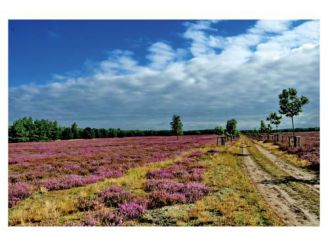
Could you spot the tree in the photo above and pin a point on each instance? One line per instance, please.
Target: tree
(176, 126)
(268, 129)
(290, 104)
(274, 119)
(67, 133)
(75, 130)
(88, 133)
(262, 127)
(231, 128)
(19, 131)
(218, 131)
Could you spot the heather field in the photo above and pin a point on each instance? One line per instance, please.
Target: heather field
(65, 164)
(155, 181)
(133, 181)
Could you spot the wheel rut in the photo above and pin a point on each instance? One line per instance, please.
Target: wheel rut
(287, 207)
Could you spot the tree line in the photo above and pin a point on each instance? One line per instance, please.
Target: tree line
(27, 129)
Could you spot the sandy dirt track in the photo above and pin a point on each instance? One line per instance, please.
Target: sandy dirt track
(291, 210)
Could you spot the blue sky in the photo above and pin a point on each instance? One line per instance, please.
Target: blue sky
(136, 74)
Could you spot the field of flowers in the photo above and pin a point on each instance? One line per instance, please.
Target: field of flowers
(179, 183)
(140, 181)
(58, 165)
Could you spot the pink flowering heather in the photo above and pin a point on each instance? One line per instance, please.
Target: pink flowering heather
(86, 204)
(109, 218)
(18, 191)
(194, 191)
(114, 196)
(103, 218)
(90, 220)
(64, 164)
(162, 198)
(160, 174)
(104, 172)
(131, 210)
(164, 184)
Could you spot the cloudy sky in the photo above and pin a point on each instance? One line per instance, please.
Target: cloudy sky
(136, 74)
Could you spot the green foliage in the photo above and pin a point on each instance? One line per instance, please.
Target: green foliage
(176, 125)
(265, 128)
(291, 104)
(274, 119)
(88, 133)
(231, 127)
(219, 130)
(67, 133)
(268, 129)
(25, 129)
(75, 130)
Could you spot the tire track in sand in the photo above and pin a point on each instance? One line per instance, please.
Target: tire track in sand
(281, 202)
(309, 179)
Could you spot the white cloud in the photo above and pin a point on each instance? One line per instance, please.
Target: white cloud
(160, 55)
(272, 26)
(242, 81)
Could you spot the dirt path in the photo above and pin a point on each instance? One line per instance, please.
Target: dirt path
(289, 209)
(309, 179)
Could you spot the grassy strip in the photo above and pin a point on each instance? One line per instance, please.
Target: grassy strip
(289, 158)
(234, 200)
(299, 190)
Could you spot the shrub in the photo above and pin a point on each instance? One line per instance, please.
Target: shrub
(160, 174)
(163, 184)
(109, 218)
(162, 198)
(90, 221)
(86, 204)
(114, 196)
(194, 191)
(18, 191)
(131, 210)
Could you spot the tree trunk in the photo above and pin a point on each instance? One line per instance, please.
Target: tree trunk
(293, 126)
(217, 141)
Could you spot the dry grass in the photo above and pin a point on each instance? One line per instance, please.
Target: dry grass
(289, 158)
(298, 190)
(233, 199)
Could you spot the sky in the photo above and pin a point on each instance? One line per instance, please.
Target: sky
(135, 74)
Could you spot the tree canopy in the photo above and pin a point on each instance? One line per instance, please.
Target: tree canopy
(291, 104)
(176, 125)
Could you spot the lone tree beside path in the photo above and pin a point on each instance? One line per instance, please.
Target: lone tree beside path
(290, 104)
(231, 128)
(219, 131)
(176, 126)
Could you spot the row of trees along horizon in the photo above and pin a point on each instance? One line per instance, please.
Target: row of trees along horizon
(28, 130)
